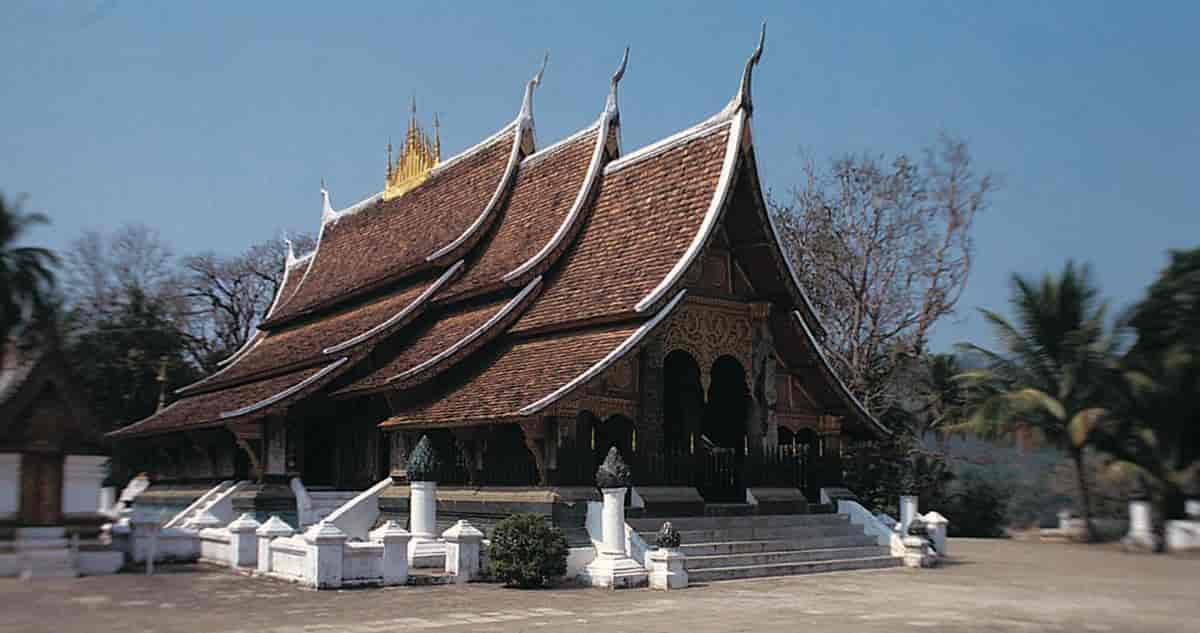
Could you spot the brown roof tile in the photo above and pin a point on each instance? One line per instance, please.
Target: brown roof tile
(206, 409)
(304, 342)
(386, 239)
(516, 375)
(428, 338)
(643, 220)
(546, 186)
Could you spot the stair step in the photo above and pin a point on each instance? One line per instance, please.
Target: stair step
(789, 569)
(716, 548)
(722, 522)
(785, 556)
(764, 533)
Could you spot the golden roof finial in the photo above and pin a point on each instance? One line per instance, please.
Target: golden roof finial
(417, 158)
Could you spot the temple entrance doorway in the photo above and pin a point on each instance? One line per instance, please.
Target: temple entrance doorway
(724, 430)
(683, 402)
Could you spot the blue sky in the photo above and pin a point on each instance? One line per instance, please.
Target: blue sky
(214, 122)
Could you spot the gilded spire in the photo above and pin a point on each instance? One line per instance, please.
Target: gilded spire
(417, 158)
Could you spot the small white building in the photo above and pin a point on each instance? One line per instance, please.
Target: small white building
(51, 467)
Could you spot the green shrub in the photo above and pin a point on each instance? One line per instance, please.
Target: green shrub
(976, 507)
(527, 552)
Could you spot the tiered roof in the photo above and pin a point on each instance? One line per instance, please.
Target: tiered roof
(540, 268)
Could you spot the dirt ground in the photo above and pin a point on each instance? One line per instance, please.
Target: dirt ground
(987, 586)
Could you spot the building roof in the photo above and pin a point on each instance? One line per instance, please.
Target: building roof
(513, 276)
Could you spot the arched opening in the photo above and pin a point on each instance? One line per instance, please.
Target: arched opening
(728, 404)
(683, 401)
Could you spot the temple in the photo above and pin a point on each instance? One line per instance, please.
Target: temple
(528, 307)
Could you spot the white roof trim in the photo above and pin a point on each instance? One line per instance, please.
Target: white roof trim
(513, 160)
(286, 392)
(355, 208)
(787, 260)
(709, 224)
(474, 149)
(816, 345)
(658, 147)
(589, 180)
(605, 362)
(228, 363)
(473, 335)
(402, 314)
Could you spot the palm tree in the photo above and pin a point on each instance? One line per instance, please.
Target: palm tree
(25, 271)
(942, 397)
(1052, 370)
(1155, 426)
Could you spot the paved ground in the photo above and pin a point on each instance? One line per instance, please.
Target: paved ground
(992, 586)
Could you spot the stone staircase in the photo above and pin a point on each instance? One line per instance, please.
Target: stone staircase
(728, 546)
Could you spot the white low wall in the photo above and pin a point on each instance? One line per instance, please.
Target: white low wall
(215, 546)
(289, 557)
(362, 564)
(82, 476)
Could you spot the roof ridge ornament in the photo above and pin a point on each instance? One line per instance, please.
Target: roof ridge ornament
(611, 107)
(290, 260)
(327, 212)
(742, 100)
(526, 114)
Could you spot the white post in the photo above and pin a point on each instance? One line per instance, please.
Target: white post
(462, 551)
(613, 521)
(243, 543)
(1141, 534)
(424, 549)
(937, 524)
(1191, 508)
(273, 528)
(612, 567)
(395, 552)
(908, 512)
(325, 555)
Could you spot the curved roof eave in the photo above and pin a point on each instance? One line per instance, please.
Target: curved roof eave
(604, 363)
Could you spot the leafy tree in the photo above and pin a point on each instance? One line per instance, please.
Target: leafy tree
(1052, 371)
(26, 272)
(1155, 426)
(884, 248)
(119, 355)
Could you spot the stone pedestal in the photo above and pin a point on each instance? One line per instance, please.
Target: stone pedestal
(272, 529)
(668, 569)
(917, 552)
(326, 551)
(395, 552)
(937, 525)
(462, 551)
(1141, 536)
(243, 542)
(612, 568)
(424, 550)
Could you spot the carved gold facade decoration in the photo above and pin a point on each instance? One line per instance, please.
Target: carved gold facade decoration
(708, 329)
(417, 158)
